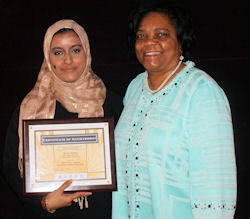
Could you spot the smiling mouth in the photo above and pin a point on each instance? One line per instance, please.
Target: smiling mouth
(69, 69)
(151, 53)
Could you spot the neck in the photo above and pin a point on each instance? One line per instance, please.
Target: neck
(157, 80)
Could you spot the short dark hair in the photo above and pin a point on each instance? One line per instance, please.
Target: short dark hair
(177, 15)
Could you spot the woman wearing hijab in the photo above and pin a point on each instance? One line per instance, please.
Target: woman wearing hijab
(174, 139)
(66, 88)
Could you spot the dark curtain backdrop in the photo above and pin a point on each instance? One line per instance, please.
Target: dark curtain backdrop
(221, 50)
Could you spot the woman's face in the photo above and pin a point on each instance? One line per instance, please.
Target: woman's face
(67, 56)
(157, 47)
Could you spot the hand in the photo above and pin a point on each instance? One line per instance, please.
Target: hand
(58, 199)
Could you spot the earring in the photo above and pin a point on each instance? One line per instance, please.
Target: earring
(181, 56)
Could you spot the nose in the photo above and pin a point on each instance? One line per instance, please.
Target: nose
(67, 58)
(150, 40)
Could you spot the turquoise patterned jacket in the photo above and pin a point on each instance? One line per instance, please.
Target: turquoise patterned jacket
(175, 151)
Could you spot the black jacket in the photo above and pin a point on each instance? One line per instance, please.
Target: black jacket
(99, 203)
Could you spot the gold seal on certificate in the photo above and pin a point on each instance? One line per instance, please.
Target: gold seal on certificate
(56, 150)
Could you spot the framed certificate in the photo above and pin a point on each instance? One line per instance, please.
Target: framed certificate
(55, 150)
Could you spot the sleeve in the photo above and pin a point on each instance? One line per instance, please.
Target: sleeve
(10, 163)
(212, 155)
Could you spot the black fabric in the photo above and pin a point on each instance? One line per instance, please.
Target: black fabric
(99, 203)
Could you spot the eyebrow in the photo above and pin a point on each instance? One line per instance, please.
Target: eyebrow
(158, 28)
(76, 45)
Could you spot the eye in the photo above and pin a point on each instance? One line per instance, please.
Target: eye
(140, 36)
(162, 35)
(57, 52)
(76, 50)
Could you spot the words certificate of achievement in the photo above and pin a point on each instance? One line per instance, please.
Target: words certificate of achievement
(56, 150)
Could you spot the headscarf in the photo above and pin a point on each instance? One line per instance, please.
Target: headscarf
(84, 96)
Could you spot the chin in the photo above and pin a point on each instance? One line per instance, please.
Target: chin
(67, 80)
(151, 69)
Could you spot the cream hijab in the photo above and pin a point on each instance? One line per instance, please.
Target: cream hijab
(84, 96)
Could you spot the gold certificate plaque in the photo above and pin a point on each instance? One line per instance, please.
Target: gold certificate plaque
(56, 150)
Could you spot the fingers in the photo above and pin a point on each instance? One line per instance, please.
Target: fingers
(79, 194)
(59, 198)
(71, 196)
(65, 185)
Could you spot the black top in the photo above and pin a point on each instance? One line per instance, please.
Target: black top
(99, 203)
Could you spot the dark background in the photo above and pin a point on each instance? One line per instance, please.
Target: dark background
(222, 50)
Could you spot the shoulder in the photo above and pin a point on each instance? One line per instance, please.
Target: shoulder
(112, 105)
(199, 81)
(112, 98)
(134, 86)
(203, 92)
(111, 94)
(136, 81)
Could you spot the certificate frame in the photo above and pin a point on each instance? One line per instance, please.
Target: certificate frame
(55, 150)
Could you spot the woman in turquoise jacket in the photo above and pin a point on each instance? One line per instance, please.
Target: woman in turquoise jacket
(174, 139)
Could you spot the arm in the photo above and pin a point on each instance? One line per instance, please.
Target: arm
(10, 167)
(212, 157)
(54, 200)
